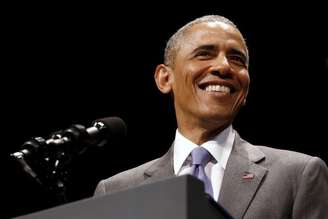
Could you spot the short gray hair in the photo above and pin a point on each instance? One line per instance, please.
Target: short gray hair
(173, 45)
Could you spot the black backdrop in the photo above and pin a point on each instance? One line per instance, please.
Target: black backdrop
(65, 65)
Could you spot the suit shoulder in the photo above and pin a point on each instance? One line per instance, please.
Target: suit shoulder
(124, 180)
(133, 173)
(289, 158)
(282, 153)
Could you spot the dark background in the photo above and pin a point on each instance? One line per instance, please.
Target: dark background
(74, 64)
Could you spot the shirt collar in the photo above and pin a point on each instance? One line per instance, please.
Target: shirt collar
(219, 147)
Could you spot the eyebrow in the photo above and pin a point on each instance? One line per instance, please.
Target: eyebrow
(207, 47)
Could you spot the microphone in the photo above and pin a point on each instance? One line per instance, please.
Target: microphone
(103, 131)
(48, 161)
(50, 157)
(76, 138)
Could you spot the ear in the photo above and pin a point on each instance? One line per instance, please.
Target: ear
(244, 102)
(164, 78)
(245, 98)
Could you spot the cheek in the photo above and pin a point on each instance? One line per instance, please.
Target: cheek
(244, 79)
(181, 87)
(199, 67)
(184, 77)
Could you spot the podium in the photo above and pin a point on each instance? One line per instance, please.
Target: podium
(180, 197)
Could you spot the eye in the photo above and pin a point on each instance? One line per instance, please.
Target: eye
(204, 54)
(238, 60)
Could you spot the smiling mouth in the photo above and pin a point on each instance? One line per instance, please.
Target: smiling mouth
(215, 88)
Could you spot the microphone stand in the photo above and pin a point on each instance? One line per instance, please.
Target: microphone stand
(48, 161)
(47, 169)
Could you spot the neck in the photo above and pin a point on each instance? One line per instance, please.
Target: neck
(200, 134)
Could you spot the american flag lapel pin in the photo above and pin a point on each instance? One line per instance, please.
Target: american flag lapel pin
(248, 176)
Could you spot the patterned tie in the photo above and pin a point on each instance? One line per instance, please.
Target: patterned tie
(200, 157)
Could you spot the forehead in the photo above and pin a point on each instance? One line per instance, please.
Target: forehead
(217, 33)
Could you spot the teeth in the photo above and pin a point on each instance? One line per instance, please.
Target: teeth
(217, 88)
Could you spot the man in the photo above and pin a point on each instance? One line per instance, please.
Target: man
(206, 72)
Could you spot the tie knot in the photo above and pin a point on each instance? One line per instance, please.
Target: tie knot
(200, 156)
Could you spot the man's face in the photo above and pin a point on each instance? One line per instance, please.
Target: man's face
(211, 77)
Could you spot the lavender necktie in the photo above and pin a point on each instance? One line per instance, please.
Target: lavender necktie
(200, 157)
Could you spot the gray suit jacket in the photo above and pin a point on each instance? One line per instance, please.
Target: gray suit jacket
(259, 182)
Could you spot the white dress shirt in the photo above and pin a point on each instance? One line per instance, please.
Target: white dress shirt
(219, 147)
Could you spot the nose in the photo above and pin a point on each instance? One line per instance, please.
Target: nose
(221, 67)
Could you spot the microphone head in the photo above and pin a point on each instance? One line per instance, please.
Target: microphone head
(112, 128)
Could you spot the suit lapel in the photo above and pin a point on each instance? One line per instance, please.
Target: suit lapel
(242, 177)
(241, 180)
(161, 168)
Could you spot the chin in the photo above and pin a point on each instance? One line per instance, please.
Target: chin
(217, 117)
